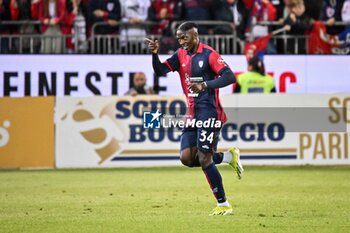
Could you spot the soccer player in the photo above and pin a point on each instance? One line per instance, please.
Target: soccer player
(195, 60)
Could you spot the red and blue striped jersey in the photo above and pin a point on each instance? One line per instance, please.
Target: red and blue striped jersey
(205, 63)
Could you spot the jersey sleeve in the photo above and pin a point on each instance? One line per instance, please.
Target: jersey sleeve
(173, 62)
(216, 62)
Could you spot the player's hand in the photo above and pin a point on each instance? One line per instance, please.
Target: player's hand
(153, 45)
(197, 87)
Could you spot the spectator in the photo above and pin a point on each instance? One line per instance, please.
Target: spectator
(198, 10)
(26, 10)
(108, 11)
(134, 12)
(331, 12)
(52, 14)
(139, 86)
(104, 11)
(283, 10)
(255, 80)
(282, 14)
(279, 6)
(164, 12)
(297, 23)
(249, 4)
(345, 13)
(4, 29)
(262, 10)
(234, 12)
(75, 19)
(313, 8)
(297, 19)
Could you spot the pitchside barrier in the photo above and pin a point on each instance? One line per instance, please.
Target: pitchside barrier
(106, 75)
(275, 129)
(107, 131)
(27, 132)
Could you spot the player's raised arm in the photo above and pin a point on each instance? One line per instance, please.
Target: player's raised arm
(159, 68)
(153, 45)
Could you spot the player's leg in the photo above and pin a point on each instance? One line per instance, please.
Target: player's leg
(231, 157)
(206, 143)
(188, 153)
(188, 157)
(188, 148)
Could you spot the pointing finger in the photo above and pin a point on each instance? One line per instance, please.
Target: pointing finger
(148, 40)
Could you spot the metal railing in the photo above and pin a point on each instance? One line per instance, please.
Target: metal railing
(25, 37)
(116, 43)
(290, 44)
(24, 42)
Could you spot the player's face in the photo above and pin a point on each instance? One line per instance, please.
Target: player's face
(188, 40)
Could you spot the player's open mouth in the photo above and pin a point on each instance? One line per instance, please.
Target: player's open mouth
(187, 47)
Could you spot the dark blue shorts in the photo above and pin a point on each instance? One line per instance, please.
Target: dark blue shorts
(205, 139)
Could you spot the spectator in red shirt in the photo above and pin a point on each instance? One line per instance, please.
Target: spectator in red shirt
(262, 10)
(52, 15)
(76, 11)
(26, 10)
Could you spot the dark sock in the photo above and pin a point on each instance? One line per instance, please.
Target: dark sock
(217, 158)
(215, 182)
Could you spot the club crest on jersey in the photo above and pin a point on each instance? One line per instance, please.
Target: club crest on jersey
(110, 6)
(221, 61)
(200, 63)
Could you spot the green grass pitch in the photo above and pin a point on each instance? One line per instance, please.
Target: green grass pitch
(176, 199)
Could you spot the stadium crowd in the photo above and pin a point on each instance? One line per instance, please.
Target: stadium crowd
(133, 19)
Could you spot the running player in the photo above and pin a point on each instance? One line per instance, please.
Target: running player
(197, 61)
